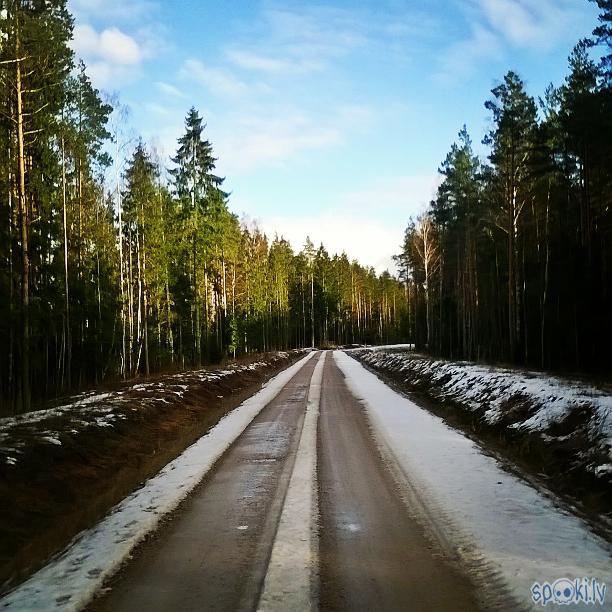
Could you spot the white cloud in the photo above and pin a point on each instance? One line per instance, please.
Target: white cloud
(275, 136)
(169, 89)
(111, 45)
(158, 109)
(112, 56)
(409, 194)
(527, 23)
(512, 19)
(101, 73)
(271, 62)
(362, 223)
(253, 61)
(289, 41)
(498, 27)
(364, 238)
(355, 117)
(119, 48)
(267, 140)
(217, 80)
(295, 38)
(317, 31)
(531, 24)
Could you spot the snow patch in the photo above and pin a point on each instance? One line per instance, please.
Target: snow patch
(491, 392)
(292, 568)
(70, 580)
(382, 347)
(92, 409)
(486, 513)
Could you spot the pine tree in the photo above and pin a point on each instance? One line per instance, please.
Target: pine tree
(511, 139)
(602, 35)
(310, 254)
(82, 134)
(140, 212)
(35, 61)
(457, 213)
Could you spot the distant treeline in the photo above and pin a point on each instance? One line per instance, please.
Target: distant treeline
(109, 270)
(513, 259)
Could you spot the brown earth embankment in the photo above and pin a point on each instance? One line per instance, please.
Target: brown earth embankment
(63, 468)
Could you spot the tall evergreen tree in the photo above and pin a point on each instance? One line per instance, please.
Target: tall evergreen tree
(140, 211)
(602, 35)
(511, 141)
(196, 187)
(35, 60)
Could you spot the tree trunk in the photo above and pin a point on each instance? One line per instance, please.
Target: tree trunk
(25, 229)
(121, 263)
(312, 326)
(543, 330)
(145, 302)
(68, 342)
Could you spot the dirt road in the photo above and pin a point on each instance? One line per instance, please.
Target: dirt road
(372, 555)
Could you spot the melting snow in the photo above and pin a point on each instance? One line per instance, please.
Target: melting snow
(497, 521)
(70, 580)
(487, 390)
(104, 409)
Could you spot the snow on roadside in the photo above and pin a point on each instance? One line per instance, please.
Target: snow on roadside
(493, 392)
(92, 409)
(381, 347)
(497, 522)
(292, 573)
(71, 579)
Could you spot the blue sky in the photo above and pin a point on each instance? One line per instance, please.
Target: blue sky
(329, 119)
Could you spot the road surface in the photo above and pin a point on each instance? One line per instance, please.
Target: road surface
(242, 540)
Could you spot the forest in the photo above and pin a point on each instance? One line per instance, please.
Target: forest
(115, 263)
(512, 261)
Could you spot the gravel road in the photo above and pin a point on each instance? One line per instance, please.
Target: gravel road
(366, 551)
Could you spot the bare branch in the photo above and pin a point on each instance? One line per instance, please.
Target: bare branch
(36, 111)
(13, 61)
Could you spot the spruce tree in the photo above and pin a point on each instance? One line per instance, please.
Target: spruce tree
(196, 186)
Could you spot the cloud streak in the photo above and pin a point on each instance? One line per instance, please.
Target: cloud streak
(500, 27)
(254, 61)
(169, 90)
(461, 60)
(256, 141)
(523, 23)
(286, 40)
(218, 81)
